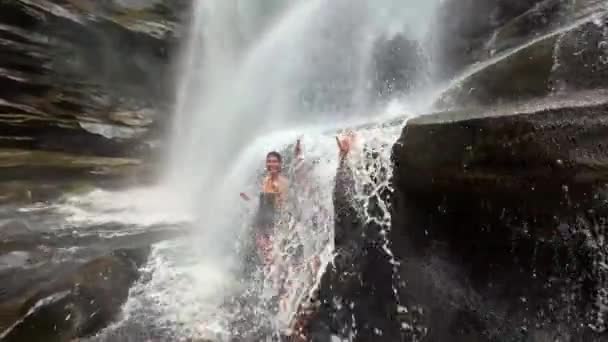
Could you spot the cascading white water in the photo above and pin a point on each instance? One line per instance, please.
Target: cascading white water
(256, 74)
(245, 75)
(252, 68)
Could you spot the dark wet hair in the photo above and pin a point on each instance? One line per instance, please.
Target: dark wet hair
(276, 155)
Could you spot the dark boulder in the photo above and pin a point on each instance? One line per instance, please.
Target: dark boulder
(498, 218)
(40, 264)
(77, 303)
(560, 135)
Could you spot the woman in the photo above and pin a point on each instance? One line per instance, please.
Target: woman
(273, 196)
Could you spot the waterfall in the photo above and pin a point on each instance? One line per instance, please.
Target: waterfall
(255, 75)
(245, 74)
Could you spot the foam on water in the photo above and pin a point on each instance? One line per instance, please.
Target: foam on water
(141, 207)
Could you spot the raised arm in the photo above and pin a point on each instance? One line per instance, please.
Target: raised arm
(345, 182)
(345, 213)
(297, 168)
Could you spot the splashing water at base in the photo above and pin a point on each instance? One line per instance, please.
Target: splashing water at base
(189, 285)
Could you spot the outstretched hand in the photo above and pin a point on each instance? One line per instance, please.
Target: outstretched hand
(345, 143)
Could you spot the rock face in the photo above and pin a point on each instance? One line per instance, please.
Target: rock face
(564, 61)
(532, 49)
(498, 219)
(580, 57)
(75, 304)
(61, 285)
(464, 28)
(86, 77)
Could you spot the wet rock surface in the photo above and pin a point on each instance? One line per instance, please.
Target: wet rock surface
(513, 51)
(502, 146)
(465, 27)
(561, 62)
(32, 176)
(356, 299)
(78, 302)
(86, 77)
(498, 218)
(580, 57)
(61, 284)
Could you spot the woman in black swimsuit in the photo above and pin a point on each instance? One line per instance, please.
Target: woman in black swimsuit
(272, 201)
